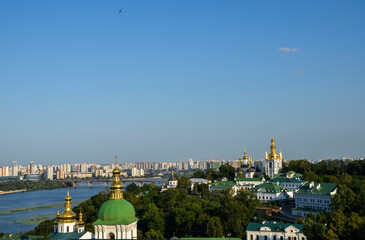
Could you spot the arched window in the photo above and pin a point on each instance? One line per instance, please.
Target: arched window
(111, 235)
(68, 228)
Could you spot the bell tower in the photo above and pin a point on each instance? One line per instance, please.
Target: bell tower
(273, 161)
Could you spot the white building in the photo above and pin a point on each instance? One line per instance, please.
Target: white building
(67, 227)
(32, 168)
(198, 181)
(292, 184)
(135, 172)
(116, 217)
(248, 183)
(49, 173)
(172, 182)
(274, 231)
(14, 169)
(313, 197)
(224, 185)
(273, 161)
(267, 192)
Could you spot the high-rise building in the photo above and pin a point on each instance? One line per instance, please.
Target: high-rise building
(5, 171)
(191, 164)
(135, 172)
(32, 167)
(14, 170)
(49, 173)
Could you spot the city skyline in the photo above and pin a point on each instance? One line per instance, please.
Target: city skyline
(174, 81)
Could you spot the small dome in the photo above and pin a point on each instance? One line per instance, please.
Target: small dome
(172, 178)
(116, 170)
(117, 211)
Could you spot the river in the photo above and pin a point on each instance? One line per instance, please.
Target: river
(21, 212)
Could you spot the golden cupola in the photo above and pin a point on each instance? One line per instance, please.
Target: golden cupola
(273, 154)
(116, 188)
(245, 155)
(68, 216)
(80, 223)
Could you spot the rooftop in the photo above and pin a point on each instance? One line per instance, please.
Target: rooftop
(274, 226)
(284, 179)
(317, 188)
(269, 187)
(222, 184)
(249, 179)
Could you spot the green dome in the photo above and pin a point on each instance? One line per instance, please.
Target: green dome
(116, 211)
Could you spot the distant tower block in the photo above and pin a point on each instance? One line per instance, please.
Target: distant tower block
(273, 161)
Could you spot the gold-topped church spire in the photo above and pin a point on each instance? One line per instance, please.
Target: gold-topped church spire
(250, 162)
(273, 154)
(80, 223)
(244, 154)
(68, 215)
(116, 188)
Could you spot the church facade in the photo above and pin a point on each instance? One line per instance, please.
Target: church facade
(116, 217)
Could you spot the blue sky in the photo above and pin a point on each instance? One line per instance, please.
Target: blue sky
(173, 80)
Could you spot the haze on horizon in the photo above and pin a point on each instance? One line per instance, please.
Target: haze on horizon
(173, 80)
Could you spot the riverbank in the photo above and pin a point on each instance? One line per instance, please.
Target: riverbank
(12, 191)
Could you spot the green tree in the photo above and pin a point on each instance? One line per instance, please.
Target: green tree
(227, 171)
(199, 174)
(330, 235)
(153, 219)
(214, 227)
(153, 234)
(343, 199)
(184, 183)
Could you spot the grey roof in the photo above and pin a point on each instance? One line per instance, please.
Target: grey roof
(199, 180)
(172, 178)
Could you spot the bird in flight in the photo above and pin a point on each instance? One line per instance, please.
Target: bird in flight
(120, 11)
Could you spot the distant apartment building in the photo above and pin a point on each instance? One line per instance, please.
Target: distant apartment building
(5, 171)
(49, 173)
(135, 172)
(32, 167)
(14, 169)
(60, 174)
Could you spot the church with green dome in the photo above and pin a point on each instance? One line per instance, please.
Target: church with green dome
(116, 217)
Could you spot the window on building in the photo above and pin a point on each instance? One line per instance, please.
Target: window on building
(281, 238)
(111, 235)
(265, 237)
(251, 237)
(274, 238)
(257, 237)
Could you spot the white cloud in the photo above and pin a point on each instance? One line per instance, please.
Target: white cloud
(288, 50)
(296, 73)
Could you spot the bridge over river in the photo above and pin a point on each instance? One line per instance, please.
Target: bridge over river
(106, 182)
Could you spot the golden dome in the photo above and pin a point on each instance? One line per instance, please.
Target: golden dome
(245, 155)
(68, 215)
(273, 154)
(80, 223)
(116, 188)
